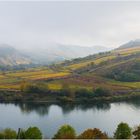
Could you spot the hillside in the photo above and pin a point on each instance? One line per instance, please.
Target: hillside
(42, 55)
(131, 44)
(90, 70)
(9, 56)
(116, 71)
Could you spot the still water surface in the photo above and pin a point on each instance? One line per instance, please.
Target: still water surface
(49, 117)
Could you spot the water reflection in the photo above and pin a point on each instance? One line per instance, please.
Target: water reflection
(49, 117)
(135, 103)
(42, 109)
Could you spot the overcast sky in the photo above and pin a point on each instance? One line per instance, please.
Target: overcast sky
(81, 23)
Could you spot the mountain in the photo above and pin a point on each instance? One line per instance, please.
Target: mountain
(131, 44)
(9, 56)
(44, 54)
(59, 52)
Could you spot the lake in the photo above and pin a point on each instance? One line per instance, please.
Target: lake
(50, 117)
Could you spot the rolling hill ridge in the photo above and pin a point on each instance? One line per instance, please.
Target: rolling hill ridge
(91, 71)
(115, 73)
(10, 56)
(130, 44)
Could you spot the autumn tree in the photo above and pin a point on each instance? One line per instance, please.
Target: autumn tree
(136, 132)
(93, 134)
(8, 134)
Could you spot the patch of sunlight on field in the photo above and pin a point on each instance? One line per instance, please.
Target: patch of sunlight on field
(124, 84)
(9, 80)
(27, 73)
(12, 79)
(96, 61)
(55, 86)
(2, 76)
(128, 51)
(47, 76)
(76, 66)
(119, 63)
(132, 84)
(12, 86)
(81, 86)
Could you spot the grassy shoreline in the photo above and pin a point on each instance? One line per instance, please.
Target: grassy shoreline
(18, 96)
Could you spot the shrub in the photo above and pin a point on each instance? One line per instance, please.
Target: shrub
(65, 132)
(8, 134)
(128, 77)
(1, 135)
(34, 88)
(123, 131)
(82, 92)
(33, 133)
(65, 99)
(66, 90)
(100, 92)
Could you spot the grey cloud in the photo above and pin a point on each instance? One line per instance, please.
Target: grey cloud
(81, 23)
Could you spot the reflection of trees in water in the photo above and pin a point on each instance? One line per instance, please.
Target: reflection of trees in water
(40, 108)
(43, 108)
(97, 106)
(135, 102)
(67, 108)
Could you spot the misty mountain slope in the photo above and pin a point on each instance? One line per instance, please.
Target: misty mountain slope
(9, 56)
(74, 51)
(44, 54)
(58, 52)
(131, 44)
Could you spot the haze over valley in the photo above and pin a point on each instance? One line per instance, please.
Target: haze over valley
(52, 53)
